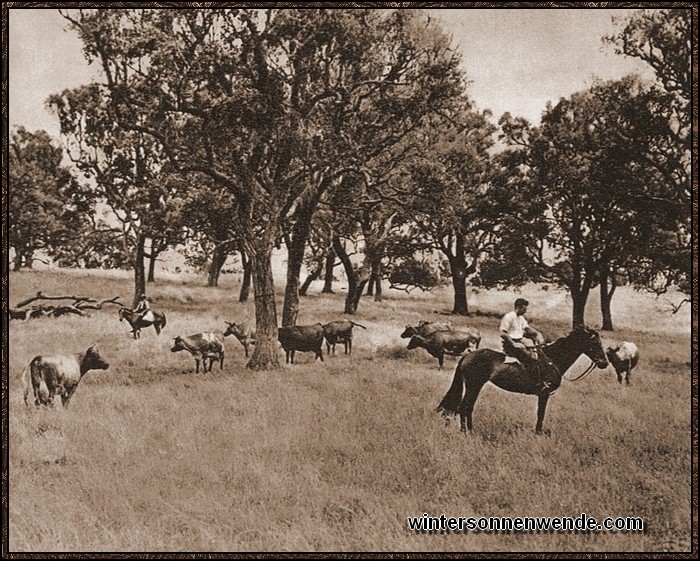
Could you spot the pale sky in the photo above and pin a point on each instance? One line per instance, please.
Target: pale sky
(517, 59)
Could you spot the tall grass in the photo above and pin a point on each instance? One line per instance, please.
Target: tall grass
(334, 456)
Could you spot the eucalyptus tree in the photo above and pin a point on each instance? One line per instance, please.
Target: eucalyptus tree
(259, 101)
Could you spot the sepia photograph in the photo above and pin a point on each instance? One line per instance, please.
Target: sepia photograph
(391, 278)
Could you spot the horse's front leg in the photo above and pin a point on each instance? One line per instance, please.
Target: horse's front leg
(541, 408)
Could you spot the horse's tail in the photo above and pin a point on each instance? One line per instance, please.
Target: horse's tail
(162, 326)
(453, 397)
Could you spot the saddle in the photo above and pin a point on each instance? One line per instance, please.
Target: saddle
(526, 356)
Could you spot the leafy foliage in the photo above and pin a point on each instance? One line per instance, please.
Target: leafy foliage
(48, 208)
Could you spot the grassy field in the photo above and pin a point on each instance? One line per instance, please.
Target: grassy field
(335, 456)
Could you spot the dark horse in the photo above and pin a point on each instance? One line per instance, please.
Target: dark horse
(137, 324)
(542, 378)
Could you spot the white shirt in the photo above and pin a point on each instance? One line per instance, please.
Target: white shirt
(514, 325)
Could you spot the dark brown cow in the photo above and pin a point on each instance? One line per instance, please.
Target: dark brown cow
(440, 343)
(59, 375)
(339, 331)
(302, 338)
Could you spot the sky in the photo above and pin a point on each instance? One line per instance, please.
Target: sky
(516, 59)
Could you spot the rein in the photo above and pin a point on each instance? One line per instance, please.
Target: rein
(586, 372)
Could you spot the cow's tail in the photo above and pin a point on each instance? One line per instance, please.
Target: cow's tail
(450, 403)
(27, 381)
(357, 325)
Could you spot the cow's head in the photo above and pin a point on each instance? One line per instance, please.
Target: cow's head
(410, 331)
(178, 344)
(93, 360)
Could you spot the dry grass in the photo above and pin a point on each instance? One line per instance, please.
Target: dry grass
(335, 456)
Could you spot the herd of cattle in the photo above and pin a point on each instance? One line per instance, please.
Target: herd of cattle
(49, 376)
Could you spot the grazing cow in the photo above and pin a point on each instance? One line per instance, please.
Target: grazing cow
(339, 331)
(244, 332)
(202, 346)
(425, 328)
(59, 375)
(302, 338)
(623, 358)
(440, 343)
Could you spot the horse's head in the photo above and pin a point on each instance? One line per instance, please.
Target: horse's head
(122, 313)
(588, 342)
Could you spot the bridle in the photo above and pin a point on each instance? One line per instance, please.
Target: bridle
(586, 372)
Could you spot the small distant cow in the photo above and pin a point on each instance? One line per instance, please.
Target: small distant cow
(623, 358)
(302, 338)
(339, 331)
(59, 375)
(244, 332)
(440, 343)
(425, 328)
(202, 346)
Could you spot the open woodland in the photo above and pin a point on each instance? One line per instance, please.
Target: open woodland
(334, 456)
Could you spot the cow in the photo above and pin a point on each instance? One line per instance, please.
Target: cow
(202, 346)
(623, 358)
(244, 332)
(339, 331)
(302, 338)
(59, 375)
(426, 328)
(440, 343)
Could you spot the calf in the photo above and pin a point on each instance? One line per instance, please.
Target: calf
(202, 346)
(339, 331)
(440, 343)
(244, 332)
(302, 338)
(59, 374)
(623, 358)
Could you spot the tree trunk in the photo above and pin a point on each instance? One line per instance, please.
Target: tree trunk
(295, 259)
(245, 283)
(218, 259)
(296, 244)
(139, 270)
(370, 286)
(328, 277)
(606, 297)
(311, 277)
(17, 262)
(152, 267)
(459, 284)
(350, 304)
(460, 271)
(579, 298)
(265, 354)
(376, 279)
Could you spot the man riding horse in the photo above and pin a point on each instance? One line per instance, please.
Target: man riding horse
(519, 339)
(143, 309)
